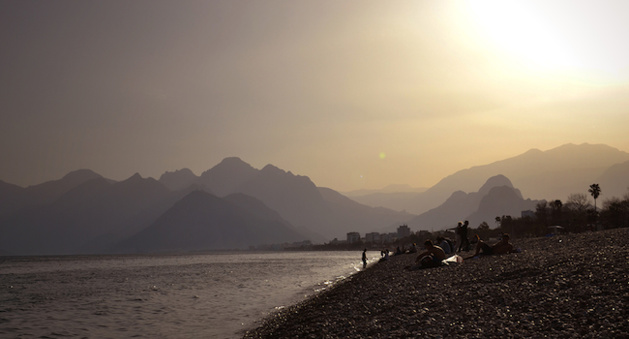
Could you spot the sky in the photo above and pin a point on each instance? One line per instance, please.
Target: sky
(353, 94)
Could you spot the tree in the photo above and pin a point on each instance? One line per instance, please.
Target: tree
(555, 210)
(595, 191)
(577, 202)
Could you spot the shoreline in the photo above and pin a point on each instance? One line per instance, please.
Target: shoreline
(574, 285)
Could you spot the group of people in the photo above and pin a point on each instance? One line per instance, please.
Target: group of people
(435, 254)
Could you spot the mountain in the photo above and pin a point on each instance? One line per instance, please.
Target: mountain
(11, 197)
(226, 177)
(298, 200)
(202, 221)
(14, 198)
(86, 219)
(498, 202)
(402, 188)
(347, 215)
(84, 213)
(496, 197)
(52, 190)
(614, 182)
(551, 174)
(179, 179)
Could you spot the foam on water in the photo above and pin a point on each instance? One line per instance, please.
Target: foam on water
(216, 295)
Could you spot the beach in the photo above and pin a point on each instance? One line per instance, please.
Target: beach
(562, 286)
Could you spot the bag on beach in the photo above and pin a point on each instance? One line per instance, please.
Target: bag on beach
(454, 259)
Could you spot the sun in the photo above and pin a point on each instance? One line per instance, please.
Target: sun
(587, 40)
(520, 31)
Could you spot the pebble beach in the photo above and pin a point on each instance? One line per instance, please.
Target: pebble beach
(564, 286)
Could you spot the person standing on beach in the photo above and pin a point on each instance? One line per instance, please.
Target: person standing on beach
(457, 236)
(465, 242)
(365, 258)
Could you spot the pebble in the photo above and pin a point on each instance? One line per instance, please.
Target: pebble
(564, 286)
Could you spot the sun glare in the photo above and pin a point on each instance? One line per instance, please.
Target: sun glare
(585, 40)
(516, 29)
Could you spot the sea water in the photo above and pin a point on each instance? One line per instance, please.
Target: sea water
(215, 295)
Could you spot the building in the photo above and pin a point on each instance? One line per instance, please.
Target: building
(403, 231)
(353, 237)
(373, 237)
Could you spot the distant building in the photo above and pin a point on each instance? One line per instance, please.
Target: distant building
(353, 237)
(335, 241)
(373, 237)
(403, 231)
(389, 237)
(528, 213)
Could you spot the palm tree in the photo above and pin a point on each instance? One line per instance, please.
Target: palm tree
(595, 191)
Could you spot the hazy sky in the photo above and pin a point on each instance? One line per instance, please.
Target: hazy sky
(353, 94)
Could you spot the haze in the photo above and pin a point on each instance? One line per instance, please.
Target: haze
(353, 94)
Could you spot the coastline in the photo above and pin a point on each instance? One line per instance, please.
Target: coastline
(574, 285)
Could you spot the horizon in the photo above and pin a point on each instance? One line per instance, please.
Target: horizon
(354, 95)
(299, 174)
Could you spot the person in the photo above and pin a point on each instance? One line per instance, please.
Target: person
(501, 247)
(445, 246)
(465, 242)
(457, 239)
(432, 257)
(413, 248)
(365, 258)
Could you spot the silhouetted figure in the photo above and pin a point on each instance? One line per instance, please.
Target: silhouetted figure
(445, 245)
(432, 257)
(465, 242)
(501, 247)
(413, 248)
(457, 235)
(365, 258)
(386, 255)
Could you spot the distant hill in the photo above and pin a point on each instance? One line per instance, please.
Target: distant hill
(179, 179)
(202, 221)
(385, 190)
(497, 197)
(614, 182)
(85, 213)
(12, 197)
(88, 218)
(552, 174)
(227, 177)
(298, 200)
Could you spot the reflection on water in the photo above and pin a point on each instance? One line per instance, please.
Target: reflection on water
(214, 295)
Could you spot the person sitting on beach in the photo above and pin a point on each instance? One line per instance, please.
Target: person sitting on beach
(501, 247)
(432, 257)
(444, 244)
(386, 255)
(413, 249)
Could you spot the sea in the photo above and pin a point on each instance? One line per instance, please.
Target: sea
(210, 295)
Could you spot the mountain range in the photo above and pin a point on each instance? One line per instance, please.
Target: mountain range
(497, 197)
(235, 206)
(550, 175)
(230, 206)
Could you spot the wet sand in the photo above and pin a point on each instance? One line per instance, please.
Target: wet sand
(565, 286)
